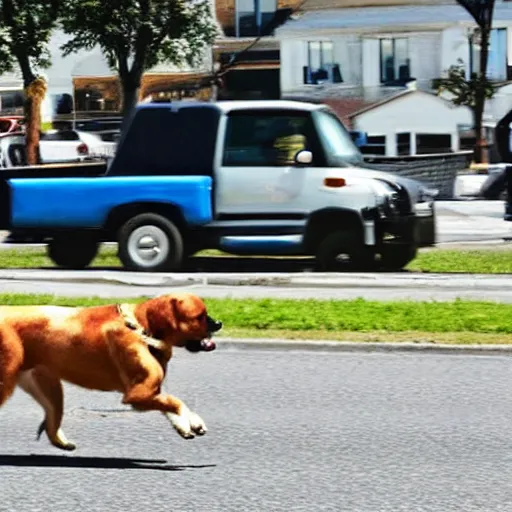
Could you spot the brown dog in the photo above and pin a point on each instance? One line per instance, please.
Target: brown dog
(119, 347)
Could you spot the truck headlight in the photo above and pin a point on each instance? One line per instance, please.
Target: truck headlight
(390, 206)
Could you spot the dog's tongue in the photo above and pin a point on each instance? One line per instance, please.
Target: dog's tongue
(207, 345)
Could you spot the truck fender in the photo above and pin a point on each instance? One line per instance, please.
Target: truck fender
(327, 220)
(124, 212)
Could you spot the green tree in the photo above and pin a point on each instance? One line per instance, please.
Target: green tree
(470, 93)
(25, 30)
(136, 35)
(482, 12)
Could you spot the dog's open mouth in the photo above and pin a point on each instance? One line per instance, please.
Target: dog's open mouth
(206, 345)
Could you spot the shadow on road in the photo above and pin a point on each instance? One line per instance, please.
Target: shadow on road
(63, 461)
(241, 265)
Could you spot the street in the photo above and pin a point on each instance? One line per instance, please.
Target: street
(288, 430)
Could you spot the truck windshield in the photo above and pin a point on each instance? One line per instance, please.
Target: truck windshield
(336, 139)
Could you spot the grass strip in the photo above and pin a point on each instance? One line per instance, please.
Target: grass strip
(459, 321)
(484, 261)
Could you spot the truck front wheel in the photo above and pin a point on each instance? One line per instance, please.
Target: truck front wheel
(72, 252)
(150, 243)
(396, 257)
(340, 251)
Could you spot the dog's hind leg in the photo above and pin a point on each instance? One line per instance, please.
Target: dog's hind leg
(47, 391)
(11, 361)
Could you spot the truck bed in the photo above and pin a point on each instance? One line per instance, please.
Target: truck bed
(75, 203)
(71, 170)
(56, 171)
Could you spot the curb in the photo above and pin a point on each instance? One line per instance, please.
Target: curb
(226, 344)
(279, 279)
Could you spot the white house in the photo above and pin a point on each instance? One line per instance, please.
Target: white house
(367, 55)
(412, 122)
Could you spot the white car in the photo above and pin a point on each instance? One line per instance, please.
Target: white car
(58, 146)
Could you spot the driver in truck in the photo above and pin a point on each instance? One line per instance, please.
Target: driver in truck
(290, 141)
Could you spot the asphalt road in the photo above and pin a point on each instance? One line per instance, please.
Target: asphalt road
(288, 431)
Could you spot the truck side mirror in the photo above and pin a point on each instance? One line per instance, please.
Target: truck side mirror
(304, 157)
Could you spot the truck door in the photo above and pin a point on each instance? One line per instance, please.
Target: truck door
(258, 177)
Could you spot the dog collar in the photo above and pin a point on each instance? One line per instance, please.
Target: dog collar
(126, 311)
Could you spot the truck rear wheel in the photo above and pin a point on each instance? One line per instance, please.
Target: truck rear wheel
(72, 252)
(341, 251)
(150, 243)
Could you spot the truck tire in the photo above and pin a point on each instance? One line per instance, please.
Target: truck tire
(72, 252)
(341, 243)
(396, 257)
(150, 243)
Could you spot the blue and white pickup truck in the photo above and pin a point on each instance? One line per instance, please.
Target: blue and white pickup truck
(245, 177)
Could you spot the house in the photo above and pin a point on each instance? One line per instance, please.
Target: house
(412, 122)
(248, 45)
(362, 58)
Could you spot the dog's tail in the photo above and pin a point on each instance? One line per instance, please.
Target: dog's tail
(41, 429)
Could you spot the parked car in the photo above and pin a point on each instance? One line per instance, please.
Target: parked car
(245, 177)
(11, 124)
(107, 128)
(57, 146)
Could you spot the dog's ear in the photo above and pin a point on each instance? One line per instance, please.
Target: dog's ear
(162, 316)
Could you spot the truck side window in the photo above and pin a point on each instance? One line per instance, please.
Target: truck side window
(265, 139)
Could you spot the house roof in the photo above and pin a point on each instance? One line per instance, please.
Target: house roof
(389, 99)
(346, 106)
(405, 16)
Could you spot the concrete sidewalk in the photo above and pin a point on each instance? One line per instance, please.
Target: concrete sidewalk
(359, 347)
(278, 279)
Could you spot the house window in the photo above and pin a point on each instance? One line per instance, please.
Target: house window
(253, 16)
(497, 60)
(403, 144)
(429, 143)
(321, 66)
(394, 61)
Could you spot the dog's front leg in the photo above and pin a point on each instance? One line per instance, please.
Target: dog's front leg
(141, 376)
(185, 422)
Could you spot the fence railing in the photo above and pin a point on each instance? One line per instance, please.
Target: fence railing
(437, 170)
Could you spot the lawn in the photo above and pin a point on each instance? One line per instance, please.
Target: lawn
(498, 261)
(456, 322)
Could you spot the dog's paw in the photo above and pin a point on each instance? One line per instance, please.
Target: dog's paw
(181, 424)
(61, 441)
(197, 424)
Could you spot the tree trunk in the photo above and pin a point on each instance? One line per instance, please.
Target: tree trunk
(35, 90)
(480, 95)
(33, 127)
(130, 99)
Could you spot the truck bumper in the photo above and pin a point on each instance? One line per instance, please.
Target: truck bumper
(415, 229)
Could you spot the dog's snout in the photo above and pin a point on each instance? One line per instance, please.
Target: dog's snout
(214, 325)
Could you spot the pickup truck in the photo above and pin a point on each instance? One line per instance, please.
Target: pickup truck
(246, 177)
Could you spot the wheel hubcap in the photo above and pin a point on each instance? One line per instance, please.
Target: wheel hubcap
(148, 246)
